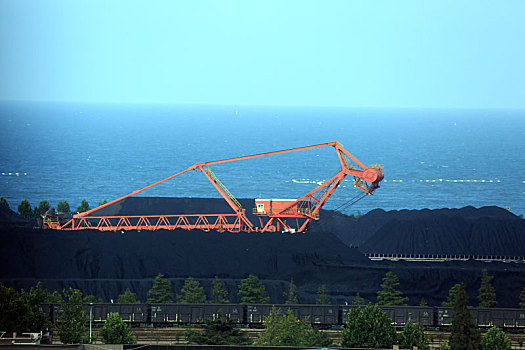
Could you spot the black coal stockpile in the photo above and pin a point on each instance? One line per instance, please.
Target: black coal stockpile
(9, 218)
(106, 263)
(487, 231)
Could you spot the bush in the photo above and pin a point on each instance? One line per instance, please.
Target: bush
(413, 335)
(115, 331)
(369, 327)
(495, 339)
(284, 329)
(218, 332)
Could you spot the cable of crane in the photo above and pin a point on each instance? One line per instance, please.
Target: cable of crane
(353, 200)
(345, 205)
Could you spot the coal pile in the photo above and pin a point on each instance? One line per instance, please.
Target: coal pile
(115, 259)
(10, 219)
(487, 231)
(106, 263)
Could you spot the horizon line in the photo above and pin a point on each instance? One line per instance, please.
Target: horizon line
(235, 105)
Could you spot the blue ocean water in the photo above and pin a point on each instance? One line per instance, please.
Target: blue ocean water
(432, 158)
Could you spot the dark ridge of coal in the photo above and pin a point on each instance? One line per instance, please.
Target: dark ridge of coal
(106, 263)
(171, 205)
(9, 218)
(343, 280)
(450, 235)
(94, 254)
(465, 231)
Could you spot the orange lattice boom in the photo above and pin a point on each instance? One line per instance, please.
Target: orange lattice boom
(272, 214)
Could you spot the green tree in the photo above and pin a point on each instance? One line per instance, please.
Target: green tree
(463, 334)
(358, 300)
(91, 299)
(20, 312)
(322, 299)
(63, 207)
(284, 329)
(389, 295)
(452, 296)
(495, 339)
(218, 332)
(3, 201)
(444, 346)
(423, 302)
(413, 335)
(292, 294)
(522, 298)
(128, 297)
(43, 206)
(24, 209)
(71, 324)
(11, 309)
(161, 291)
(316, 337)
(102, 202)
(487, 293)
(84, 206)
(33, 319)
(252, 291)
(115, 331)
(191, 292)
(219, 292)
(369, 327)
(54, 298)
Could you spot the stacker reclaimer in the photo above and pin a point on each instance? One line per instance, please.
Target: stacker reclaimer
(273, 214)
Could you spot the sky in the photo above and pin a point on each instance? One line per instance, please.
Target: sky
(401, 54)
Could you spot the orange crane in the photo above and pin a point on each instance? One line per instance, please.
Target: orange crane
(272, 213)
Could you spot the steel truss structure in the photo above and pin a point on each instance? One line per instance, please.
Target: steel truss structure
(302, 211)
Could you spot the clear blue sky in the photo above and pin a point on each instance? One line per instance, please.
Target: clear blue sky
(303, 53)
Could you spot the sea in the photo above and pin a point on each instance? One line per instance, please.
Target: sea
(432, 158)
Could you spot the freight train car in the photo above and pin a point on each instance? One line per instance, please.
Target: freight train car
(132, 313)
(179, 314)
(323, 316)
(400, 315)
(484, 317)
